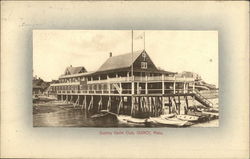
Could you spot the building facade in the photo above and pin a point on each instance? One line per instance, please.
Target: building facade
(127, 84)
(115, 77)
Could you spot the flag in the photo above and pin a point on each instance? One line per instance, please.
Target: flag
(142, 37)
(139, 37)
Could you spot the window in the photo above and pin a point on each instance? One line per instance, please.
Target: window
(144, 65)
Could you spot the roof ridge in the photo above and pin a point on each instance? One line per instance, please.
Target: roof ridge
(119, 61)
(74, 66)
(140, 51)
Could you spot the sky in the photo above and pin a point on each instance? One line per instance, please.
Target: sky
(172, 50)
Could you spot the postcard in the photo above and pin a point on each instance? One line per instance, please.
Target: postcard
(124, 79)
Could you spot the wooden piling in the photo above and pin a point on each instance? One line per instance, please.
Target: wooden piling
(77, 102)
(170, 105)
(150, 106)
(109, 104)
(120, 105)
(100, 104)
(90, 103)
(132, 105)
(179, 105)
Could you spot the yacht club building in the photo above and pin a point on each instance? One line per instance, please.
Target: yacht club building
(127, 84)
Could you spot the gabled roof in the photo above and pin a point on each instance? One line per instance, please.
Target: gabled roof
(37, 82)
(77, 75)
(120, 61)
(75, 70)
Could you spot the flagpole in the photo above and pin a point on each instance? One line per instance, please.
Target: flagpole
(144, 39)
(132, 69)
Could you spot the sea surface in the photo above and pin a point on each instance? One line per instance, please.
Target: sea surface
(57, 114)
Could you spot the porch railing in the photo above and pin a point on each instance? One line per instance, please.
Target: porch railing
(127, 91)
(142, 79)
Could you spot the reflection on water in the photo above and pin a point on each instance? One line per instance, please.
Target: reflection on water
(51, 115)
(68, 116)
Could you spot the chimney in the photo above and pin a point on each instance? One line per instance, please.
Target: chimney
(110, 54)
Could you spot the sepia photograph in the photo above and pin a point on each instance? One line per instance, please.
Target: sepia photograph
(125, 78)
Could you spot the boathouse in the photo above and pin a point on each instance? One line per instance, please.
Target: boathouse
(128, 84)
(39, 86)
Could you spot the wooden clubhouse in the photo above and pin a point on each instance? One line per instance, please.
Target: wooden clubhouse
(128, 84)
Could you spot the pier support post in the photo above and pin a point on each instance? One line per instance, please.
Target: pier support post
(174, 103)
(150, 105)
(170, 105)
(139, 105)
(84, 103)
(162, 104)
(193, 100)
(153, 107)
(120, 105)
(179, 105)
(109, 104)
(144, 104)
(162, 84)
(109, 91)
(90, 103)
(100, 104)
(71, 97)
(77, 101)
(120, 85)
(186, 108)
(132, 105)
(158, 106)
(147, 105)
(186, 99)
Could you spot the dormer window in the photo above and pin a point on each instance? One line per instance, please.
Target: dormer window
(144, 65)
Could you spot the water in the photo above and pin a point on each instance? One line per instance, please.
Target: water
(55, 114)
(65, 115)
